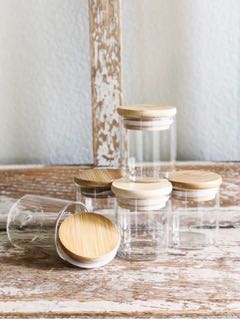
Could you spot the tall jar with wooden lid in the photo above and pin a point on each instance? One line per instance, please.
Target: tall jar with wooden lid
(148, 141)
(93, 188)
(141, 215)
(193, 222)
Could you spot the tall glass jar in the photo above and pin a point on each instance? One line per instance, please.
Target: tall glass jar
(141, 215)
(193, 222)
(148, 146)
(93, 188)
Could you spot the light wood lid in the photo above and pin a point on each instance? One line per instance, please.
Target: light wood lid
(97, 177)
(146, 111)
(194, 179)
(87, 236)
(124, 188)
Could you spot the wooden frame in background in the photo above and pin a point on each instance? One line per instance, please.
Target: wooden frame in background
(105, 59)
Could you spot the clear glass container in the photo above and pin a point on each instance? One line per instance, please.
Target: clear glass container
(61, 227)
(141, 215)
(93, 188)
(148, 141)
(193, 221)
(33, 221)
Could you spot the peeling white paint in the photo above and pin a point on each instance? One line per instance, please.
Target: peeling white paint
(106, 79)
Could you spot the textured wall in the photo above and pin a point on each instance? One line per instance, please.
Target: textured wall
(45, 107)
(182, 52)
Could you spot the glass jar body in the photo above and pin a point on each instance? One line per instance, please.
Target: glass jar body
(143, 229)
(33, 224)
(193, 223)
(97, 199)
(148, 148)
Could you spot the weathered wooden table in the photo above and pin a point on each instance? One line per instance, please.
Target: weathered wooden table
(198, 284)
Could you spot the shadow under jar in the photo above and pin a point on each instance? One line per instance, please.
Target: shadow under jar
(148, 141)
(193, 222)
(93, 188)
(141, 214)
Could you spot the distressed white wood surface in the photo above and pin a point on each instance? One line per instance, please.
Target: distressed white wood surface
(105, 60)
(198, 284)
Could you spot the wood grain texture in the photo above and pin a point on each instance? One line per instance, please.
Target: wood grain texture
(98, 177)
(194, 179)
(105, 55)
(146, 111)
(88, 236)
(199, 284)
(123, 188)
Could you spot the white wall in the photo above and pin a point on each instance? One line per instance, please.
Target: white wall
(187, 52)
(184, 52)
(45, 109)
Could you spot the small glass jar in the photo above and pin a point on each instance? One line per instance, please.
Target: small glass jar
(55, 226)
(93, 188)
(141, 215)
(148, 141)
(193, 222)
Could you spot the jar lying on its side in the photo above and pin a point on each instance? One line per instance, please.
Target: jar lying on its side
(148, 141)
(142, 210)
(93, 188)
(193, 222)
(64, 228)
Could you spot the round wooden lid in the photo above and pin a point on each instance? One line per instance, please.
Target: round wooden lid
(97, 177)
(194, 179)
(87, 236)
(146, 111)
(124, 188)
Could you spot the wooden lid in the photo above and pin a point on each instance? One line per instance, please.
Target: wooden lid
(124, 188)
(146, 111)
(194, 179)
(87, 236)
(97, 177)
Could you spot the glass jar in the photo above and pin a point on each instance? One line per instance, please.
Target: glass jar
(56, 226)
(148, 146)
(141, 215)
(93, 188)
(193, 222)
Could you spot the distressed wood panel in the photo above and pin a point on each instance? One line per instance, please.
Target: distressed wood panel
(199, 284)
(105, 60)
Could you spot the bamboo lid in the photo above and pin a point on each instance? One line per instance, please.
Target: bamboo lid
(146, 111)
(88, 236)
(123, 188)
(194, 179)
(97, 177)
